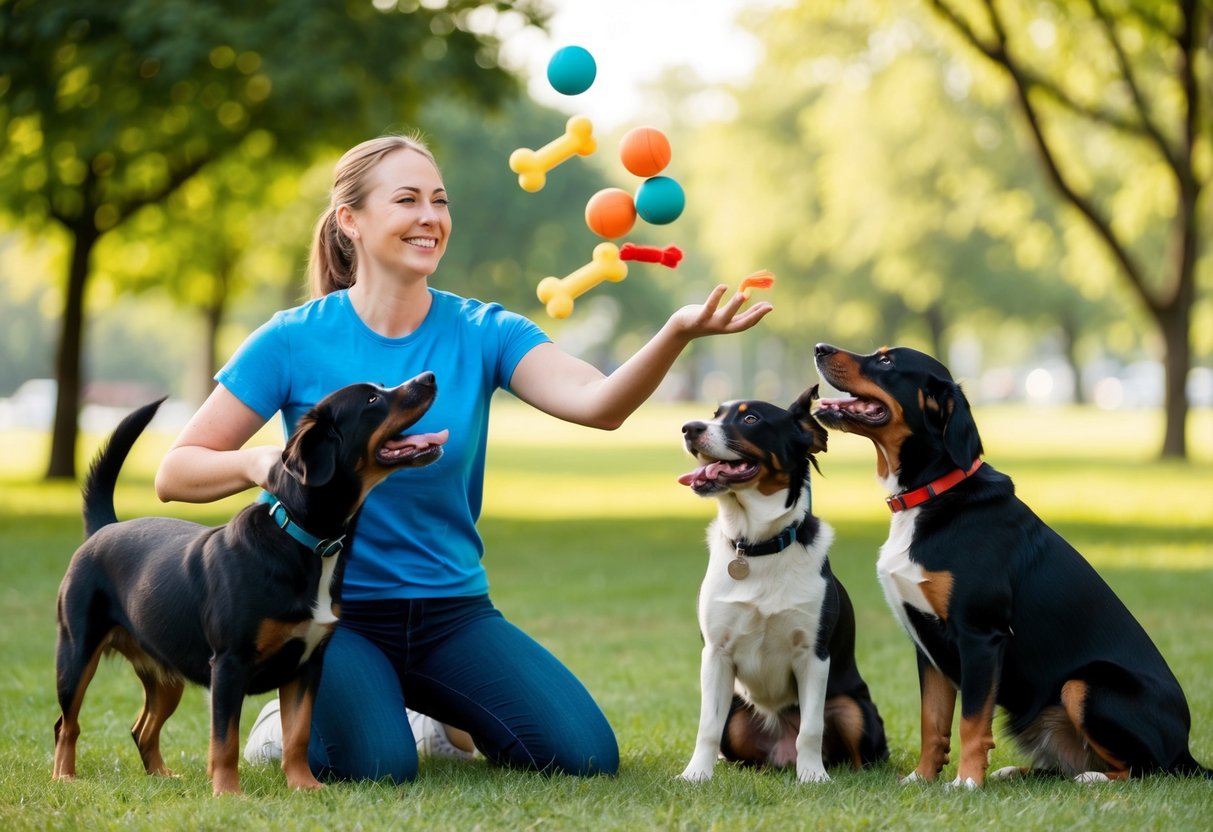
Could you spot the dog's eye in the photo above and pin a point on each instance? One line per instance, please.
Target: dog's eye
(750, 419)
(884, 359)
(374, 398)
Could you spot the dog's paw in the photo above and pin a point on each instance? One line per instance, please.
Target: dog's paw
(968, 783)
(812, 775)
(1007, 773)
(912, 777)
(1090, 777)
(694, 774)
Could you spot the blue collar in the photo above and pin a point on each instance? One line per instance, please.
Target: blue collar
(282, 519)
(771, 546)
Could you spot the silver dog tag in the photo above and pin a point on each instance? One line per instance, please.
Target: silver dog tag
(739, 567)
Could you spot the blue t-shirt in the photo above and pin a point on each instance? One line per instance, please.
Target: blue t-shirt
(416, 537)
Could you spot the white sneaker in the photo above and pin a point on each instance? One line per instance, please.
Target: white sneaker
(265, 737)
(432, 739)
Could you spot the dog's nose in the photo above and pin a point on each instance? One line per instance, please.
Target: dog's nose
(426, 378)
(822, 350)
(693, 430)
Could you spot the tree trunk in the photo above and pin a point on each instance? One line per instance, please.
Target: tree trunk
(1176, 362)
(937, 329)
(213, 314)
(65, 430)
(1070, 328)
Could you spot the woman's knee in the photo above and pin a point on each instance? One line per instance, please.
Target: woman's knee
(593, 755)
(580, 748)
(378, 758)
(360, 730)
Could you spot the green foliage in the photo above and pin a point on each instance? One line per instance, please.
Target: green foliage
(884, 186)
(110, 105)
(109, 108)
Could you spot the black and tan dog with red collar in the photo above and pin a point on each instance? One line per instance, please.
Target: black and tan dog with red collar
(778, 678)
(241, 608)
(1000, 607)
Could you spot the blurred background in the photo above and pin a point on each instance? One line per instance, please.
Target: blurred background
(1020, 188)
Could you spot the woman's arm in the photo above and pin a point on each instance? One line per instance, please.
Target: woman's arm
(571, 389)
(209, 461)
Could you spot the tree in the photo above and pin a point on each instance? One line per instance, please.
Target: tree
(875, 178)
(112, 107)
(1107, 86)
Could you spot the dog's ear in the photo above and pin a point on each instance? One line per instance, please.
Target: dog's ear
(815, 436)
(809, 434)
(311, 454)
(947, 415)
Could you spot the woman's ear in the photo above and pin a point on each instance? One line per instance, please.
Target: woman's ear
(347, 222)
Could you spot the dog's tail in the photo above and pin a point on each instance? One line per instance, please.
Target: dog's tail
(103, 473)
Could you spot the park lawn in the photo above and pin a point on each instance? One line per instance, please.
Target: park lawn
(595, 550)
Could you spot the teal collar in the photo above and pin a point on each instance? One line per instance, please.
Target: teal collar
(324, 547)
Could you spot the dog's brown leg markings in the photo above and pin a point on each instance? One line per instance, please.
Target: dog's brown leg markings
(938, 708)
(296, 703)
(976, 742)
(160, 699)
(67, 729)
(844, 718)
(224, 757)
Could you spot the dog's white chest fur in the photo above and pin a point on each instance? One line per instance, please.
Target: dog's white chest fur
(323, 619)
(900, 577)
(766, 620)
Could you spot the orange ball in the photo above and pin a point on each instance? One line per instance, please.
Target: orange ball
(610, 213)
(645, 151)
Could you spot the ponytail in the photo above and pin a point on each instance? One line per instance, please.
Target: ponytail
(331, 264)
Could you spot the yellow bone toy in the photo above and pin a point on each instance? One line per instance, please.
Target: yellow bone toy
(533, 165)
(558, 292)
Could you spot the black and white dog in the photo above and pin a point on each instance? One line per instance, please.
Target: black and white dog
(778, 677)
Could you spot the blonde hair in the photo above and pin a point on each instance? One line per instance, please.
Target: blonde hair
(332, 264)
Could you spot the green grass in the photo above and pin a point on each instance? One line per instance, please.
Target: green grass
(595, 550)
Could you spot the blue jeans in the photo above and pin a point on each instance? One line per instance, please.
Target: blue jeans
(459, 661)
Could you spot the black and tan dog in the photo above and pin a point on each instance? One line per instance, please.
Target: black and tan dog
(779, 683)
(241, 608)
(1000, 607)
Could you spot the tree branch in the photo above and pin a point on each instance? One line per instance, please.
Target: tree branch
(995, 53)
(175, 180)
(1148, 127)
(999, 54)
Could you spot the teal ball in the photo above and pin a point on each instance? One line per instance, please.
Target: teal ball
(660, 200)
(572, 70)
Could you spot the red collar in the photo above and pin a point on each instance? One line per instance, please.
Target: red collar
(909, 499)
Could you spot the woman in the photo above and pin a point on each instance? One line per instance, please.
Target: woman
(417, 626)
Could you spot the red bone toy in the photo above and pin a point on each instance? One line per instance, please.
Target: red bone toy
(668, 256)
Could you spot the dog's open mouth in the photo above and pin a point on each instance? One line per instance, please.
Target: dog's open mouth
(718, 474)
(867, 411)
(412, 450)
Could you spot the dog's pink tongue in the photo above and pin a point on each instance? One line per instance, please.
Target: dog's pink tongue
(704, 474)
(418, 440)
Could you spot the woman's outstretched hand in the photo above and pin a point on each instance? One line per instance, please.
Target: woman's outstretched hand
(711, 318)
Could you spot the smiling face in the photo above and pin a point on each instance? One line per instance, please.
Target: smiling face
(403, 223)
